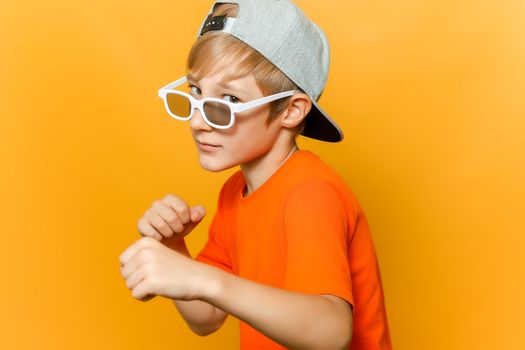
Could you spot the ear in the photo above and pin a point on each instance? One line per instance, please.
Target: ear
(298, 107)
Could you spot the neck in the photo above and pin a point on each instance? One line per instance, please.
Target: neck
(258, 170)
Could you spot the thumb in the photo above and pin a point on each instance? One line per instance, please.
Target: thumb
(197, 213)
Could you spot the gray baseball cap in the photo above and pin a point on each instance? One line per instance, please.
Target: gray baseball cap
(282, 33)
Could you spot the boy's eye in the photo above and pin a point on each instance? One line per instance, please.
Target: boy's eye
(231, 98)
(196, 91)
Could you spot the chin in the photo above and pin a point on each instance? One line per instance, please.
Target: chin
(213, 164)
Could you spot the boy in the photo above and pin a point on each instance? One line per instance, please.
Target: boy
(289, 251)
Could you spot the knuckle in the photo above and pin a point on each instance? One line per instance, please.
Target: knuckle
(149, 240)
(184, 210)
(150, 234)
(152, 228)
(146, 243)
(149, 269)
(142, 225)
(179, 228)
(143, 254)
(161, 225)
(171, 198)
(172, 217)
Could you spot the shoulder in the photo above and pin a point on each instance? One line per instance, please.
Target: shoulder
(314, 210)
(317, 178)
(320, 199)
(309, 165)
(316, 192)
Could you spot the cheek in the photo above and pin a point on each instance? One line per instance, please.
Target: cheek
(251, 134)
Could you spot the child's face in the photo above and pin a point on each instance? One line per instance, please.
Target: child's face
(247, 139)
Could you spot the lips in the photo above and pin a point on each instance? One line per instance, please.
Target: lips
(208, 144)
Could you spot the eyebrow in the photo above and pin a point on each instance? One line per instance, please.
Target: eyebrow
(225, 85)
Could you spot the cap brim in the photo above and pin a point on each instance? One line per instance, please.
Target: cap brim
(320, 126)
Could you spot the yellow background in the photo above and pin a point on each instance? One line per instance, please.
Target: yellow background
(430, 95)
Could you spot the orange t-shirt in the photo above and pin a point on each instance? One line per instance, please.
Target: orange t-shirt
(302, 230)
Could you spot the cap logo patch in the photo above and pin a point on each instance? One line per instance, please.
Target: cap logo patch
(213, 23)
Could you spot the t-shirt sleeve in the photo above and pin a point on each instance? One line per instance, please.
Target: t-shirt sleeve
(316, 229)
(215, 251)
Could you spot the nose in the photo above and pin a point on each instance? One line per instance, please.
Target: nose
(197, 121)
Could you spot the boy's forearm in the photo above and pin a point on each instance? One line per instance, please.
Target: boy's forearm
(295, 320)
(199, 315)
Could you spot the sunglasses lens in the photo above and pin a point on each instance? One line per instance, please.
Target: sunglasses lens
(179, 105)
(217, 113)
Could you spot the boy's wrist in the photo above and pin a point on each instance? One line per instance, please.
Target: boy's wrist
(208, 278)
(211, 283)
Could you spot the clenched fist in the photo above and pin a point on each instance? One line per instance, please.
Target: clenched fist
(150, 268)
(171, 218)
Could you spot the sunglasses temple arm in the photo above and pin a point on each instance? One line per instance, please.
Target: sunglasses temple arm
(173, 84)
(263, 100)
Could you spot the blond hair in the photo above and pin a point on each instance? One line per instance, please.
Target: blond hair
(215, 49)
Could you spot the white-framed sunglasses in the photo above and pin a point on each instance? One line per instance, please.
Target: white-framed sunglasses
(216, 112)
